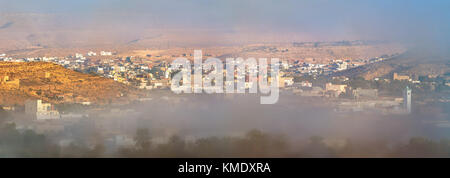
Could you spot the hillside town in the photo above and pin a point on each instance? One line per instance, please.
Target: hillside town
(150, 74)
(296, 77)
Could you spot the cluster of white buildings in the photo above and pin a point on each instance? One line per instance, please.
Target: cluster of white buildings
(326, 68)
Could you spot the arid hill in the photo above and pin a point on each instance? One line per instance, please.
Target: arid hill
(56, 84)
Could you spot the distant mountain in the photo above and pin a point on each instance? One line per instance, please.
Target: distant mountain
(6, 25)
(56, 84)
(412, 62)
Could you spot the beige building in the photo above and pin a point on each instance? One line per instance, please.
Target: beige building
(6, 81)
(400, 77)
(333, 87)
(40, 110)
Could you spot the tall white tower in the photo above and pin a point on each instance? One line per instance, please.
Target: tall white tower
(407, 99)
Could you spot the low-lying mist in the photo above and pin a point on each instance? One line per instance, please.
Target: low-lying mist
(200, 115)
(228, 122)
(235, 125)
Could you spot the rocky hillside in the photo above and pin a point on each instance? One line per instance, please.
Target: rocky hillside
(56, 84)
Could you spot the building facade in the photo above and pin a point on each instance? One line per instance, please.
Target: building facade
(40, 110)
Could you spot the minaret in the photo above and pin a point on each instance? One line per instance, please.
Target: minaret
(407, 99)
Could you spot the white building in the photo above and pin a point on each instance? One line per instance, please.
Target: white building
(40, 110)
(341, 65)
(78, 55)
(100, 70)
(105, 53)
(306, 84)
(90, 53)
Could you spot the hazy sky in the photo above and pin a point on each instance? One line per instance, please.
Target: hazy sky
(403, 20)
